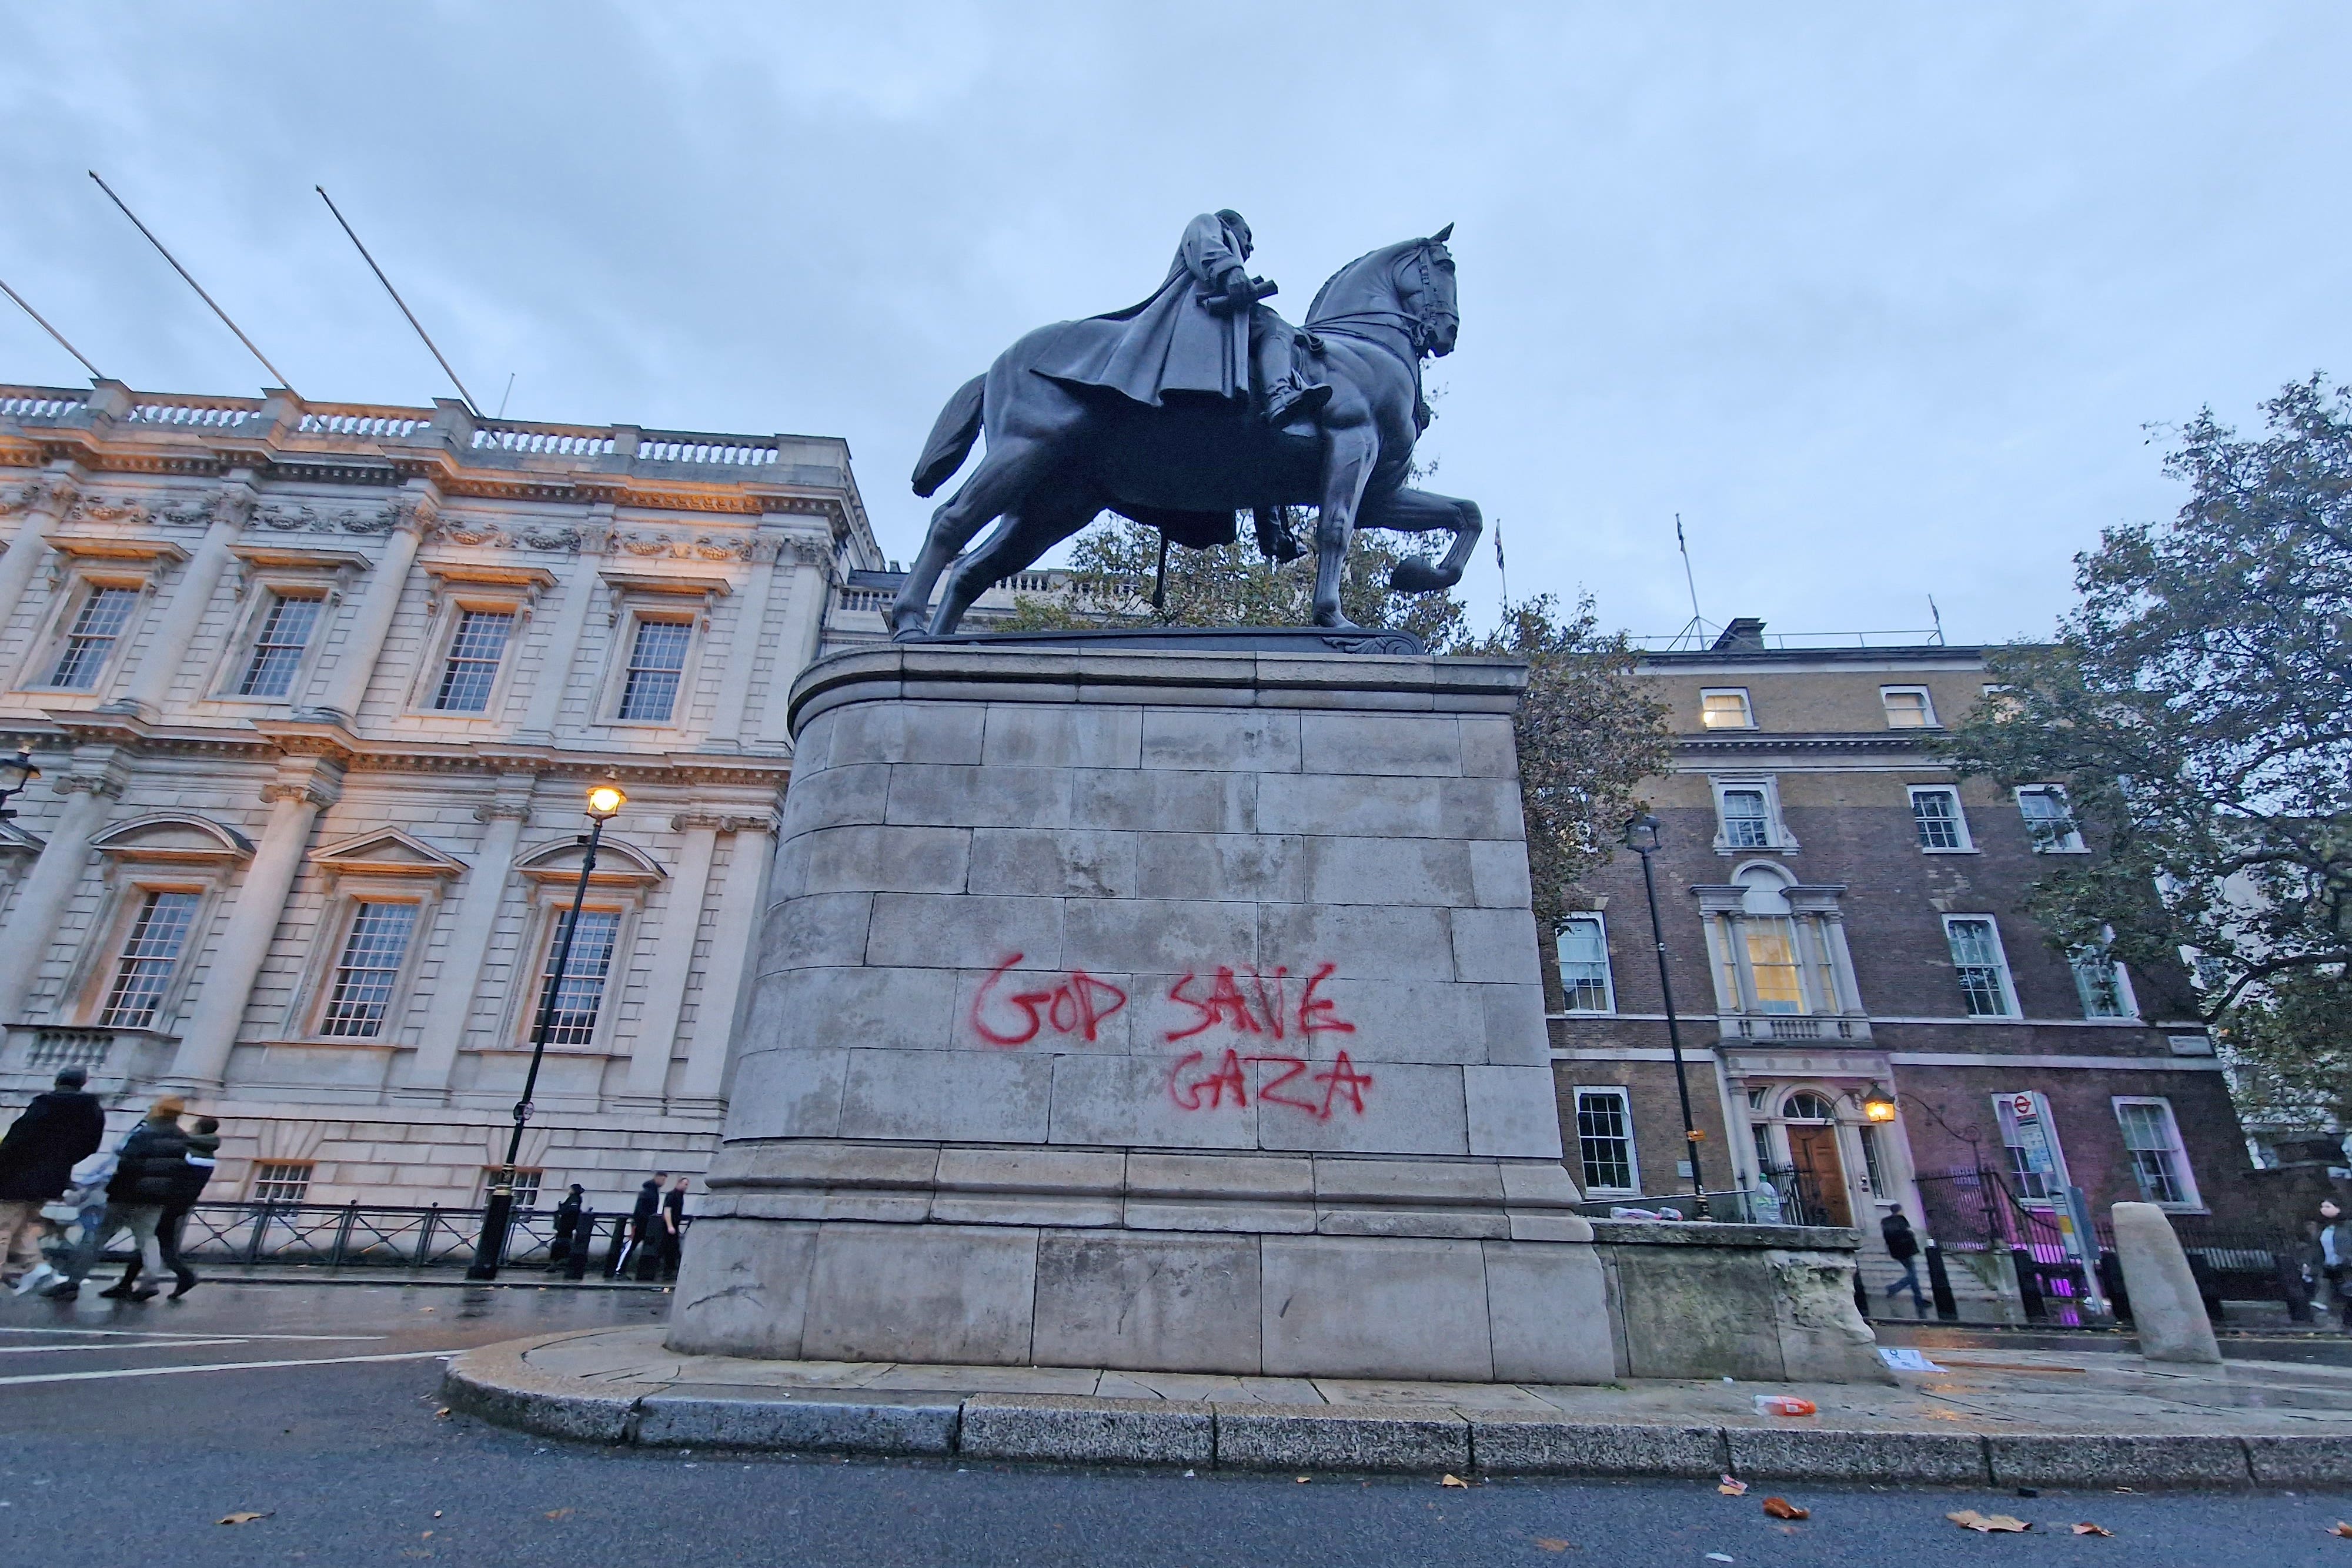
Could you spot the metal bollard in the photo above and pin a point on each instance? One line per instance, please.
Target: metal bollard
(1940, 1285)
(583, 1236)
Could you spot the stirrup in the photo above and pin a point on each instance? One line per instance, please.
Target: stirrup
(1305, 402)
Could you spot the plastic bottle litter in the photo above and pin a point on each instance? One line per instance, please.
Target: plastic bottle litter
(1785, 1404)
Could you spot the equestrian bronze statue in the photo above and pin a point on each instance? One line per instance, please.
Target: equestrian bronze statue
(1198, 403)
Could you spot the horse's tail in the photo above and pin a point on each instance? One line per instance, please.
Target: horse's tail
(951, 437)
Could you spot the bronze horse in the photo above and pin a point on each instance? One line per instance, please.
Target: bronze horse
(1059, 456)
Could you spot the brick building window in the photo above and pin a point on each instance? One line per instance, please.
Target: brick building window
(581, 996)
(1725, 709)
(1584, 965)
(1908, 707)
(1937, 819)
(89, 641)
(2036, 1165)
(2159, 1164)
(470, 669)
(1747, 819)
(1605, 1138)
(279, 646)
(280, 1181)
(2100, 981)
(368, 970)
(2049, 820)
(150, 954)
(1984, 969)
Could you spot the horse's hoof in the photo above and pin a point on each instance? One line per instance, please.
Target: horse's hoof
(908, 634)
(1413, 575)
(1336, 621)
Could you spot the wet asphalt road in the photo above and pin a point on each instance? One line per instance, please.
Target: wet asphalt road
(349, 1462)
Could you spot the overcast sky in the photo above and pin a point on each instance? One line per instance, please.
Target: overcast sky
(1880, 299)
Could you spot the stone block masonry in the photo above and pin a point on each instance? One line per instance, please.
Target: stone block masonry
(1175, 1013)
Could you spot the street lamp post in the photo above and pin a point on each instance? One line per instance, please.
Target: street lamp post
(22, 766)
(604, 803)
(1641, 838)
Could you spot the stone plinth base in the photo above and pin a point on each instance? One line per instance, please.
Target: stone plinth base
(1178, 1011)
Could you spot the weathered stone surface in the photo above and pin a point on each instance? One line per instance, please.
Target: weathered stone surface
(1697, 1312)
(787, 1094)
(1146, 935)
(2300, 1460)
(742, 1288)
(1351, 1437)
(1806, 1453)
(1248, 741)
(887, 860)
(1082, 1431)
(1409, 744)
(1409, 1108)
(903, 731)
(1509, 1442)
(964, 931)
(1124, 1101)
(1389, 872)
(1823, 1336)
(863, 1424)
(902, 1007)
(2167, 1311)
(1368, 1307)
(966, 1096)
(837, 797)
(1036, 735)
(815, 931)
(1547, 1313)
(1511, 1112)
(2107, 1459)
(493, 1383)
(1144, 801)
(1052, 862)
(953, 1293)
(1169, 1303)
(1262, 867)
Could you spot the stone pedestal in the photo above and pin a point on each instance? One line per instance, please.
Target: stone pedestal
(1154, 1010)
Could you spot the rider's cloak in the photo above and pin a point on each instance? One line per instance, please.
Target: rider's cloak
(1169, 342)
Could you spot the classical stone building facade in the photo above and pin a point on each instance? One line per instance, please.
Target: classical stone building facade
(1843, 914)
(317, 691)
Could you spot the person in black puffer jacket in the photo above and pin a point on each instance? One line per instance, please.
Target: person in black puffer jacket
(188, 1181)
(56, 1133)
(146, 1174)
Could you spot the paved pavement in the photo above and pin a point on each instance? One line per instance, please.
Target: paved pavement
(349, 1462)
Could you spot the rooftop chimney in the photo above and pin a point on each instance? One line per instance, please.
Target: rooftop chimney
(1744, 632)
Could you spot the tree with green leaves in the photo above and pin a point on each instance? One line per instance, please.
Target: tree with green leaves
(1588, 733)
(2198, 706)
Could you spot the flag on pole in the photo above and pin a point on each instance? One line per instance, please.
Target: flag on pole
(1498, 545)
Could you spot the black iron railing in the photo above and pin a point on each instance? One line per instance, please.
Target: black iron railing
(387, 1236)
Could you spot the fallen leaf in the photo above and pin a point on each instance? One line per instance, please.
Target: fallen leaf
(1730, 1488)
(249, 1518)
(2341, 1527)
(558, 1513)
(1781, 1508)
(1719, 1556)
(1451, 1480)
(1304, 1480)
(2087, 1529)
(1987, 1523)
(1551, 1543)
(442, 1414)
(437, 1513)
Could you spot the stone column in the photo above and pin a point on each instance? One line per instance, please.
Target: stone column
(371, 619)
(742, 649)
(673, 956)
(184, 610)
(45, 500)
(1842, 964)
(722, 982)
(811, 580)
(32, 925)
(304, 786)
(472, 919)
(580, 595)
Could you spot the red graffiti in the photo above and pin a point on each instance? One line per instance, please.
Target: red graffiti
(1225, 1004)
(1208, 1094)
(1076, 1006)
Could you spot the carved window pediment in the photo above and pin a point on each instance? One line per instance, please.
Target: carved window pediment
(386, 852)
(618, 863)
(179, 837)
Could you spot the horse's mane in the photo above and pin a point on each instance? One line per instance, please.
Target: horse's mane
(1382, 257)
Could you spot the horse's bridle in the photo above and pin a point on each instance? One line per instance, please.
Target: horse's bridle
(1418, 325)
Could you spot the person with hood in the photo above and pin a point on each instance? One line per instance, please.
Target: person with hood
(188, 1185)
(1903, 1246)
(57, 1132)
(567, 1228)
(146, 1174)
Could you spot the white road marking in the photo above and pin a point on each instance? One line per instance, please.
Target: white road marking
(143, 1344)
(221, 1366)
(183, 1333)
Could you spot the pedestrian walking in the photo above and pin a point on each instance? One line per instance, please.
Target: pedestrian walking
(57, 1132)
(2334, 1249)
(195, 1168)
(567, 1228)
(146, 1174)
(1903, 1246)
(673, 1228)
(643, 1219)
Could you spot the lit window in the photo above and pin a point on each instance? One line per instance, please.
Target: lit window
(89, 642)
(149, 956)
(278, 648)
(578, 1000)
(281, 1181)
(2049, 821)
(1805, 1105)
(1605, 1136)
(656, 660)
(2099, 981)
(1935, 815)
(1874, 1163)
(370, 966)
(1908, 707)
(1772, 964)
(1983, 972)
(1725, 709)
(2158, 1162)
(1747, 819)
(1584, 965)
(472, 668)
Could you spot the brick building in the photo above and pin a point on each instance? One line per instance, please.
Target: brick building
(1843, 916)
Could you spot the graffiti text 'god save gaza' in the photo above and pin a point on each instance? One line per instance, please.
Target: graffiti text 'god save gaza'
(1246, 1001)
